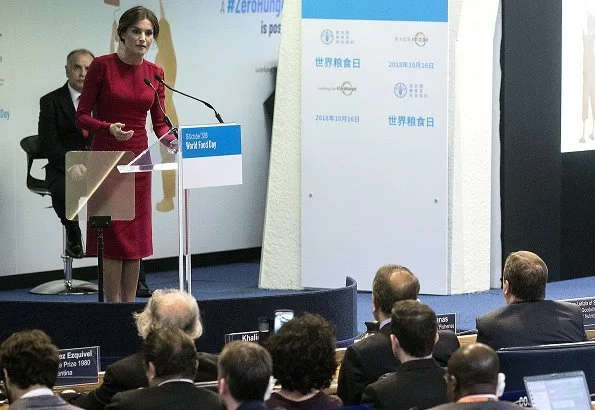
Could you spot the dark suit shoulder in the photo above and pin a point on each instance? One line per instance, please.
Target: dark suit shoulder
(129, 371)
(566, 306)
(57, 93)
(207, 367)
(448, 342)
(172, 395)
(416, 383)
(370, 343)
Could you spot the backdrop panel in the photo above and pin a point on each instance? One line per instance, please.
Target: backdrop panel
(374, 141)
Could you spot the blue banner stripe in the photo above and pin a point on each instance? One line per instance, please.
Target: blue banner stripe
(214, 141)
(390, 10)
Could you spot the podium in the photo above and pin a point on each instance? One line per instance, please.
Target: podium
(96, 189)
(205, 156)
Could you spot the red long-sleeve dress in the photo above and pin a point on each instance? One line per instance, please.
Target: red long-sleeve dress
(116, 91)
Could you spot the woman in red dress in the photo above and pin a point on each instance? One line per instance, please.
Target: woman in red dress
(115, 90)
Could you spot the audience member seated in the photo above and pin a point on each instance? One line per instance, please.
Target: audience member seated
(304, 362)
(29, 364)
(171, 308)
(245, 376)
(170, 364)
(528, 319)
(472, 380)
(59, 134)
(418, 381)
(367, 360)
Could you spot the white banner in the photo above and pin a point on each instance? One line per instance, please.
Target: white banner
(374, 140)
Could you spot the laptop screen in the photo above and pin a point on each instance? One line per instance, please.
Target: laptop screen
(558, 391)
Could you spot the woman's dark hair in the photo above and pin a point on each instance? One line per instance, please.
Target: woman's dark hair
(303, 352)
(131, 16)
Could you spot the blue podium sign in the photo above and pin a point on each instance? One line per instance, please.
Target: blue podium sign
(211, 155)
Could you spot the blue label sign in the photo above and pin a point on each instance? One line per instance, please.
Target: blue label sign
(211, 141)
(252, 336)
(447, 321)
(78, 366)
(587, 305)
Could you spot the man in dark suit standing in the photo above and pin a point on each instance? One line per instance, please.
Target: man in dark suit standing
(418, 382)
(29, 368)
(372, 357)
(529, 319)
(473, 380)
(170, 308)
(58, 134)
(170, 363)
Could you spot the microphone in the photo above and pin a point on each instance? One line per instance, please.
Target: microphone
(165, 117)
(160, 79)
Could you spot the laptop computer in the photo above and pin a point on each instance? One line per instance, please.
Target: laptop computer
(558, 391)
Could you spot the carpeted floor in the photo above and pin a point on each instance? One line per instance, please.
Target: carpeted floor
(240, 280)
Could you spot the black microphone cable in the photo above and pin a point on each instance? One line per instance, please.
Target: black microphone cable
(160, 79)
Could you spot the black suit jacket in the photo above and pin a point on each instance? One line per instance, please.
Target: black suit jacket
(415, 384)
(482, 405)
(129, 374)
(173, 396)
(367, 360)
(531, 323)
(57, 130)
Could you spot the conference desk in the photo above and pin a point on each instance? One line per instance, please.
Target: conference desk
(340, 353)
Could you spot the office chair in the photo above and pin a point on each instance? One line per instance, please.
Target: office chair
(67, 286)
(519, 362)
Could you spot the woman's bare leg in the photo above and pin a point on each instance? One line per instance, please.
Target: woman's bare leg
(112, 277)
(130, 269)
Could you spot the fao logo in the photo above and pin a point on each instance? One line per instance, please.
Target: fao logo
(420, 39)
(400, 90)
(327, 36)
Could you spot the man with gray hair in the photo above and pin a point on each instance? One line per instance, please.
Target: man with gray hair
(58, 134)
(171, 308)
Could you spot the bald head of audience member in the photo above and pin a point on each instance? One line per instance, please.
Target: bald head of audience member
(391, 284)
(169, 354)
(244, 372)
(28, 361)
(472, 369)
(524, 277)
(170, 308)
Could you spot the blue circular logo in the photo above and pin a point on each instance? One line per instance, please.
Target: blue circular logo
(400, 90)
(327, 36)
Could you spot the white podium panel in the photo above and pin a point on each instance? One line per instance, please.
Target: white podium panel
(374, 141)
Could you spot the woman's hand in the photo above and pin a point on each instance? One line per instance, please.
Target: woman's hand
(116, 130)
(77, 172)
